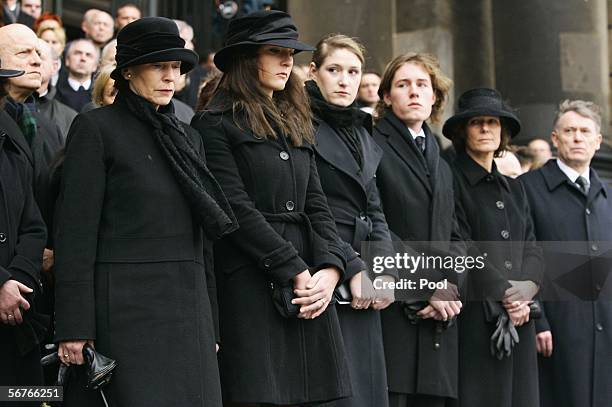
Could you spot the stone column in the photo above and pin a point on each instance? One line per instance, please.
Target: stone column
(370, 21)
(546, 51)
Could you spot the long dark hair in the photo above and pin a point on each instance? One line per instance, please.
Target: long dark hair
(288, 111)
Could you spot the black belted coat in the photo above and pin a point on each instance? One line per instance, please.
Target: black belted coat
(285, 227)
(355, 204)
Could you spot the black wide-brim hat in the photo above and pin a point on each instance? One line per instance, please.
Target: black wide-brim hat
(152, 39)
(259, 28)
(481, 102)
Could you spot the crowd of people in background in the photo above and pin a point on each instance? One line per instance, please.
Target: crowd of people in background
(200, 219)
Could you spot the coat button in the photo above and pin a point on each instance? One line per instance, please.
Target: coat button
(505, 234)
(489, 178)
(508, 265)
(599, 327)
(499, 204)
(267, 263)
(290, 205)
(2, 237)
(284, 155)
(594, 247)
(598, 287)
(588, 211)
(437, 345)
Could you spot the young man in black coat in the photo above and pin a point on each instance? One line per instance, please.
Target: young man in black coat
(416, 189)
(569, 203)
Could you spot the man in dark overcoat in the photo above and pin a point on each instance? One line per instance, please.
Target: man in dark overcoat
(416, 189)
(569, 203)
(22, 239)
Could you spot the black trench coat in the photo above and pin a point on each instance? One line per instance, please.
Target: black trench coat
(130, 271)
(285, 228)
(417, 198)
(22, 240)
(579, 372)
(494, 208)
(355, 203)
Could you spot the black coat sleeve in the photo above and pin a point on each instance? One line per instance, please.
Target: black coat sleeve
(533, 262)
(32, 235)
(329, 250)
(380, 229)
(83, 178)
(256, 237)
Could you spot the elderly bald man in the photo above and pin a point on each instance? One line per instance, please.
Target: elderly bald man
(19, 48)
(48, 105)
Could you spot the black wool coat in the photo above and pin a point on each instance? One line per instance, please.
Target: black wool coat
(285, 227)
(22, 239)
(130, 267)
(354, 201)
(579, 372)
(493, 214)
(417, 197)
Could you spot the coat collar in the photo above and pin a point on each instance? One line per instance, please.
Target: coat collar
(554, 177)
(333, 150)
(400, 140)
(475, 173)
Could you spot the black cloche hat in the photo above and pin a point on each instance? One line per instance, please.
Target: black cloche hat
(481, 102)
(259, 28)
(152, 39)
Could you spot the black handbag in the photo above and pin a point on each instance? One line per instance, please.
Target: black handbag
(281, 298)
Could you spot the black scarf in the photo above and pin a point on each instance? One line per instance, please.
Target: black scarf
(206, 199)
(342, 119)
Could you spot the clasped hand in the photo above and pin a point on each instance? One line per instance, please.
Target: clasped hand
(517, 299)
(12, 303)
(314, 292)
(443, 305)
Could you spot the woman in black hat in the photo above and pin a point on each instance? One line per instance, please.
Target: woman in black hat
(136, 202)
(280, 338)
(347, 160)
(497, 354)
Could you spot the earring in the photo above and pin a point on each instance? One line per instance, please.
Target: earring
(129, 76)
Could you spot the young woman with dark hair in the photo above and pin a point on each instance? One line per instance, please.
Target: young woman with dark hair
(280, 338)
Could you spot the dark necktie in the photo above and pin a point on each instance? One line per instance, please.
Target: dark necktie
(420, 142)
(81, 89)
(583, 184)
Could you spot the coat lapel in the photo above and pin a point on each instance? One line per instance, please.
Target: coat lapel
(400, 140)
(335, 152)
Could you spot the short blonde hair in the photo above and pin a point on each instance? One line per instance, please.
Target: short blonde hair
(59, 32)
(102, 77)
(332, 42)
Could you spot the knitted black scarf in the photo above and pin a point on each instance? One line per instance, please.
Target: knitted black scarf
(206, 199)
(342, 119)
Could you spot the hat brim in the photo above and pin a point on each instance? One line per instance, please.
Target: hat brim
(455, 122)
(10, 73)
(188, 59)
(223, 57)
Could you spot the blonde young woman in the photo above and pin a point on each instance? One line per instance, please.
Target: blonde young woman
(347, 160)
